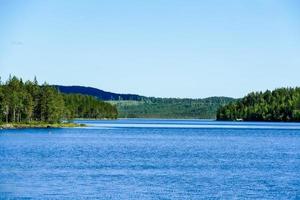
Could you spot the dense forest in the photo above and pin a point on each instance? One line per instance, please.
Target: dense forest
(137, 106)
(279, 105)
(171, 108)
(84, 106)
(28, 101)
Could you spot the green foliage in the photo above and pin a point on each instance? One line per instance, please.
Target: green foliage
(80, 106)
(52, 104)
(28, 102)
(171, 107)
(279, 105)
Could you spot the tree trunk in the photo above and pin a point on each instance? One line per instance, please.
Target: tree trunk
(6, 113)
(14, 115)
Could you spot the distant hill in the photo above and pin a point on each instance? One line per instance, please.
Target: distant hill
(136, 106)
(172, 108)
(100, 94)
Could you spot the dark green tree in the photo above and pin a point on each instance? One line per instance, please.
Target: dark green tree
(279, 105)
(25, 102)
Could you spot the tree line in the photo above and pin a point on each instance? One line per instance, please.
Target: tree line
(83, 106)
(28, 101)
(171, 108)
(278, 105)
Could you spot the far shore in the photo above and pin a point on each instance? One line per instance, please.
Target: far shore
(95, 119)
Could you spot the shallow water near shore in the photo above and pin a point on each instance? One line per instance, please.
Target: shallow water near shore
(152, 159)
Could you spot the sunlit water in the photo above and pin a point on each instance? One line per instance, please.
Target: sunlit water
(152, 159)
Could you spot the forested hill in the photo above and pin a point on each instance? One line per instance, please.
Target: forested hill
(136, 106)
(171, 108)
(24, 102)
(279, 105)
(100, 94)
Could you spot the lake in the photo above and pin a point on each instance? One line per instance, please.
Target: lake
(152, 159)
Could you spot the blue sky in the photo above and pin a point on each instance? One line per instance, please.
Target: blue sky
(166, 48)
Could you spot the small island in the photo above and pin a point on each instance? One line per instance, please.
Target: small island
(30, 105)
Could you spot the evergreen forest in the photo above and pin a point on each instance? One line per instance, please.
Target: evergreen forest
(30, 102)
(282, 104)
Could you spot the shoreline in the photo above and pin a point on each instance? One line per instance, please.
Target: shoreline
(39, 125)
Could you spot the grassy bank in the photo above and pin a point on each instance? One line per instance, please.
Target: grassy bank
(39, 125)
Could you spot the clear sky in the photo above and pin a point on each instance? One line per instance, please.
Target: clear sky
(166, 48)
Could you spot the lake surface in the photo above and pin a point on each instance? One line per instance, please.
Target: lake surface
(152, 159)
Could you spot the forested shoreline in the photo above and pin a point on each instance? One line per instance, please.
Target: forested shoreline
(29, 102)
(39, 105)
(171, 108)
(278, 105)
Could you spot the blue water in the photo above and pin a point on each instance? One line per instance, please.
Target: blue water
(152, 159)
